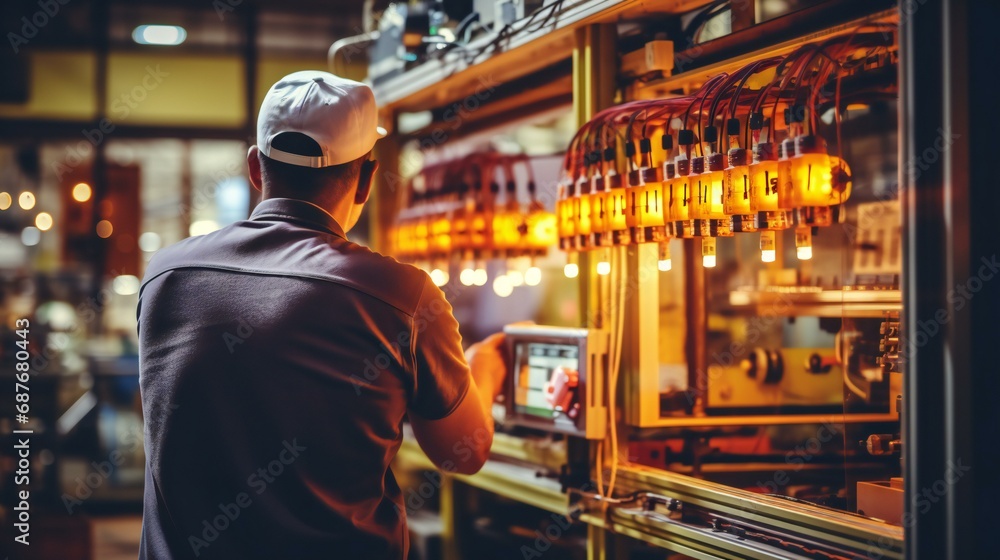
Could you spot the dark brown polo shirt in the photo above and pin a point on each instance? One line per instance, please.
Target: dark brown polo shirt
(277, 361)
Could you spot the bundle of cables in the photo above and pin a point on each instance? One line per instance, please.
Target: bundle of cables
(699, 182)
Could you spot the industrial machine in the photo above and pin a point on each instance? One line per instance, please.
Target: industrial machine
(557, 380)
(737, 380)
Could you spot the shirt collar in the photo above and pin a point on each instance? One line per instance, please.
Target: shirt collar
(302, 212)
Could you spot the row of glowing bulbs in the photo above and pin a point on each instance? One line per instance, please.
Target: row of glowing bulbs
(804, 169)
(664, 264)
(43, 220)
(520, 271)
(149, 242)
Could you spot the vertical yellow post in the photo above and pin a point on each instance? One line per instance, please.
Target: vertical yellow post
(449, 506)
(594, 79)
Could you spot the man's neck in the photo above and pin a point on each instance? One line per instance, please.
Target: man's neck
(339, 212)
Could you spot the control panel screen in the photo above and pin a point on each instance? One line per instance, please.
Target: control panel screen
(534, 365)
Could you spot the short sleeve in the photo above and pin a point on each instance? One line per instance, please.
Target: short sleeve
(441, 377)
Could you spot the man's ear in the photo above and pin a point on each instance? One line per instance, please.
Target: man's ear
(253, 166)
(365, 180)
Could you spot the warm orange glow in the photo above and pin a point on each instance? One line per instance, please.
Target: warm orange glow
(420, 234)
(633, 198)
(43, 221)
(567, 222)
(600, 211)
(104, 229)
(82, 192)
(479, 234)
(619, 208)
(736, 181)
(460, 238)
(440, 234)
(5, 200)
(708, 252)
(664, 263)
(26, 200)
(768, 251)
(582, 211)
(841, 179)
(785, 177)
(803, 243)
(812, 180)
(650, 205)
(709, 191)
(680, 199)
(541, 229)
(506, 232)
(764, 186)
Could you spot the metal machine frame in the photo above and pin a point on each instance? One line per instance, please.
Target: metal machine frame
(947, 226)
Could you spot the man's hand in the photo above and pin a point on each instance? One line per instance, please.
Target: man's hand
(489, 367)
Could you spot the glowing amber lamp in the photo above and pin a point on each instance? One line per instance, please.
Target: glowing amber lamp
(600, 215)
(648, 201)
(669, 174)
(680, 192)
(785, 177)
(711, 190)
(812, 178)
(567, 218)
(460, 240)
(421, 235)
(764, 180)
(507, 223)
(540, 232)
(440, 234)
(479, 230)
(581, 207)
(736, 180)
(619, 208)
(633, 197)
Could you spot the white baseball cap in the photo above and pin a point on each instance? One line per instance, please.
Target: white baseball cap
(337, 113)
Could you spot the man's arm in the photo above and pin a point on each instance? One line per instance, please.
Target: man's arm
(459, 441)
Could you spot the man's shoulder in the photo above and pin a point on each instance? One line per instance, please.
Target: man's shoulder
(382, 276)
(293, 252)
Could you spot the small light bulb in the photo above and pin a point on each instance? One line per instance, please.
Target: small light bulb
(104, 229)
(664, 263)
(803, 243)
(768, 250)
(479, 277)
(26, 200)
(81, 192)
(516, 277)
(708, 252)
(43, 221)
(533, 276)
(571, 270)
(439, 277)
(604, 268)
(467, 277)
(502, 286)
